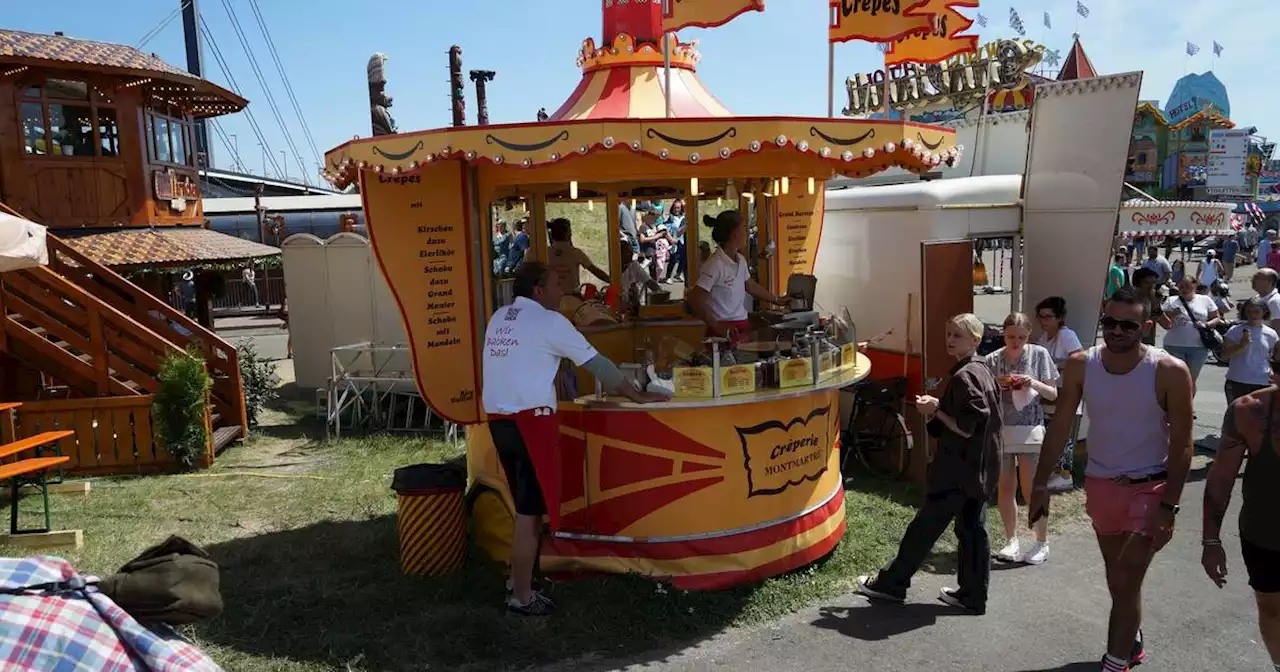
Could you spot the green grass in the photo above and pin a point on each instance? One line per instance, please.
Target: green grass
(305, 534)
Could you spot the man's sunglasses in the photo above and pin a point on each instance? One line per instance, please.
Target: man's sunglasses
(1109, 323)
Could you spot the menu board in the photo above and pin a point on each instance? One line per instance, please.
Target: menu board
(693, 381)
(798, 235)
(418, 228)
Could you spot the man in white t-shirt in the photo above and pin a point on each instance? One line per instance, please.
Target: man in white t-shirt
(1264, 283)
(523, 346)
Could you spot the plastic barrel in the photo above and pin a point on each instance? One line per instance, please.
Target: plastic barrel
(431, 518)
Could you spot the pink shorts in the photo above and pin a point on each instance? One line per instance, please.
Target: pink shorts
(1121, 509)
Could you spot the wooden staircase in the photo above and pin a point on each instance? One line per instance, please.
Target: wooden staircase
(94, 332)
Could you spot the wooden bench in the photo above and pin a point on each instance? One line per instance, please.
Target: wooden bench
(32, 471)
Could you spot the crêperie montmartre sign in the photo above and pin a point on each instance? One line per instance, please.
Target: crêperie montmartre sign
(999, 65)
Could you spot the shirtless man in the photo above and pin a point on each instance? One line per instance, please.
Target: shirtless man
(565, 261)
(1139, 404)
(1250, 428)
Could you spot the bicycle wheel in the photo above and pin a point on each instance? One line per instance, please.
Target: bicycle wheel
(881, 440)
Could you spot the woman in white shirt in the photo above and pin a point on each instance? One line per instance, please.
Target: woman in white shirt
(724, 281)
(1250, 347)
(1061, 342)
(1184, 316)
(1210, 269)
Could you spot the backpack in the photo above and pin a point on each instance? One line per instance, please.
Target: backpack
(175, 582)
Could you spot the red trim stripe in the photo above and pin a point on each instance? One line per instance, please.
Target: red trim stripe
(781, 566)
(573, 98)
(674, 550)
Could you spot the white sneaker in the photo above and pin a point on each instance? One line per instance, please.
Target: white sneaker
(1011, 552)
(1060, 483)
(1036, 553)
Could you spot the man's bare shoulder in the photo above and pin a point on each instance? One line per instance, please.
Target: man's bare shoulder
(1169, 365)
(1255, 400)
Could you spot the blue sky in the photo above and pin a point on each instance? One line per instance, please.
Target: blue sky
(770, 63)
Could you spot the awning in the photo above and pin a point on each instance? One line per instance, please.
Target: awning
(168, 247)
(1140, 218)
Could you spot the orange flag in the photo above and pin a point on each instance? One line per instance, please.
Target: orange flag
(705, 13)
(876, 20)
(943, 41)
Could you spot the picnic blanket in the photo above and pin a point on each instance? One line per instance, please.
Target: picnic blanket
(53, 618)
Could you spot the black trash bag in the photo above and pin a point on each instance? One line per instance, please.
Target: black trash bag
(175, 583)
(429, 477)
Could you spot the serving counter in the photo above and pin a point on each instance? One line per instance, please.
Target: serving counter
(709, 493)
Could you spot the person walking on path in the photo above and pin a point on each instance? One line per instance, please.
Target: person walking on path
(966, 423)
(1249, 429)
(1140, 410)
(1210, 269)
(1115, 275)
(1264, 283)
(1061, 342)
(1264, 249)
(1025, 374)
(1185, 316)
(1249, 348)
(524, 344)
(1158, 264)
(1230, 248)
(1151, 293)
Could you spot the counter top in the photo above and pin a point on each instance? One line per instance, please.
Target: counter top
(631, 324)
(861, 369)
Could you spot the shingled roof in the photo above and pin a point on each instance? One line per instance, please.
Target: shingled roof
(21, 48)
(1077, 65)
(161, 247)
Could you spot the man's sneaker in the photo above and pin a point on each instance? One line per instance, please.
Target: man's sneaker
(538, 605)
(1036, 553)
(952, 597)
(867, 587)
(1011, 552)
(1139, 654)
(1060, 483)
(537, 585)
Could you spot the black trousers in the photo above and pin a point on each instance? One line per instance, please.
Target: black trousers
(973, 560)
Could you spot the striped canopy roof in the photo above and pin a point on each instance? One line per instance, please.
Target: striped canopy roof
(638, 93)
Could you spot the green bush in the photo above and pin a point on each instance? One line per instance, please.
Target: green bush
(258, 377)
(179, 406)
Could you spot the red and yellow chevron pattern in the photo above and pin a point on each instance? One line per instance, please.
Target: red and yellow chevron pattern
(433, 532)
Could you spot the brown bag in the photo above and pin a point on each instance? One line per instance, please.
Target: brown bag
(175, 582)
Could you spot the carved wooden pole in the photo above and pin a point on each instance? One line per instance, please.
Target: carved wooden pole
(481, 77)
(456, 93)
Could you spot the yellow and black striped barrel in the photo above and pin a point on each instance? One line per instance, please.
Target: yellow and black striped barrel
(432, 525)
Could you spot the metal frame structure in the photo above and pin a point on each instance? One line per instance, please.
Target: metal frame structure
(362, 384)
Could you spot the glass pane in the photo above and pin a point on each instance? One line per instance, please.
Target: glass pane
(33, 91)
(508, 244)
(654, 258)
(71, 128)
(579, 244)
(161, 139)
(108, 132)
(33, 129)
(179, 142)
(67, 89)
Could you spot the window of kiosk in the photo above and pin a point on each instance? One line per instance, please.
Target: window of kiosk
(509, 243)
(578, 241)
(655, 274)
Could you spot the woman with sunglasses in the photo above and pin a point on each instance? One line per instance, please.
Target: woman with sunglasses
(1061, 342)
(1250, 347)
(1184, 316)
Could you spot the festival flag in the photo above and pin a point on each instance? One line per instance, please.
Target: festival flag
(705, 13)
(1015, 22)
(853, 21)
(1217, 48)
(1192, 49)
(1047, 23)
(944, 42)
(982, 20)
(1081, 9)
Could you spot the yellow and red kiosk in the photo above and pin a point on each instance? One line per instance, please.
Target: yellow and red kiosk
(706, 491)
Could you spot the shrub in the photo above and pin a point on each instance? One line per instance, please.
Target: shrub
(258, 377)
(179, 406)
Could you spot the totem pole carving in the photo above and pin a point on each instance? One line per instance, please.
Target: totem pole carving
(456, 92)
(481, 77)
(379, 101)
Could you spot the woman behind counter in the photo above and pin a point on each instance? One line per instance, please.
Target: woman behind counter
(719, 298)
(566, 261)
(966, 422)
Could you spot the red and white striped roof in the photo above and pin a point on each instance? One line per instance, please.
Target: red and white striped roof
(638, 92)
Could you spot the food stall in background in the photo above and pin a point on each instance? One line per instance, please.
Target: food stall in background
(736, 478)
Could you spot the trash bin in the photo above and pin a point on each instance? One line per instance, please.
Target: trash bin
(431, 517)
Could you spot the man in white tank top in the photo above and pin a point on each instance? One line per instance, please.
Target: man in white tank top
(1139, 403)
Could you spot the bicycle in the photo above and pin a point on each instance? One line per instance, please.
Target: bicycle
(876, 435)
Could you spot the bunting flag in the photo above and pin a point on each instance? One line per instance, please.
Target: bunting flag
(705, 13)
(1217, 48)
(1015, 22)
(1081, 9)
(944, 42)
(982, 20)
(1047, 23)
(856, 20)
(1192, 49)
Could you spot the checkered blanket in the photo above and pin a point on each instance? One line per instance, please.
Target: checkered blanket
(52, 618)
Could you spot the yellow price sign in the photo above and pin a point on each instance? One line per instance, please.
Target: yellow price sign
(795, 372)
(693, 381)
(848, 355)
(738, 379)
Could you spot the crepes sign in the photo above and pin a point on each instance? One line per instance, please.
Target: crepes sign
(778, 455)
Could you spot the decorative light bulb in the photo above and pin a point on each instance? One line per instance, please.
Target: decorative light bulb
(591, 205)
(811, 186)
(693, 186)
(573, 190)
(786, 185)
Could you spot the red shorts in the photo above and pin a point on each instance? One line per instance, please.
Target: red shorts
(1117, 508)
(526, 444)
(740, 331)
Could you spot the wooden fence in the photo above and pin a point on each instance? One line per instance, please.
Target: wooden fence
(113, 435)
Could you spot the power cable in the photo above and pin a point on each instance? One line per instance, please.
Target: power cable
(226, 142)
(164, 23)
(235, 87)
(266, 90)
(288, 87)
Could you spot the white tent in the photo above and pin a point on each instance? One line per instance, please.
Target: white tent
(22, 244)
